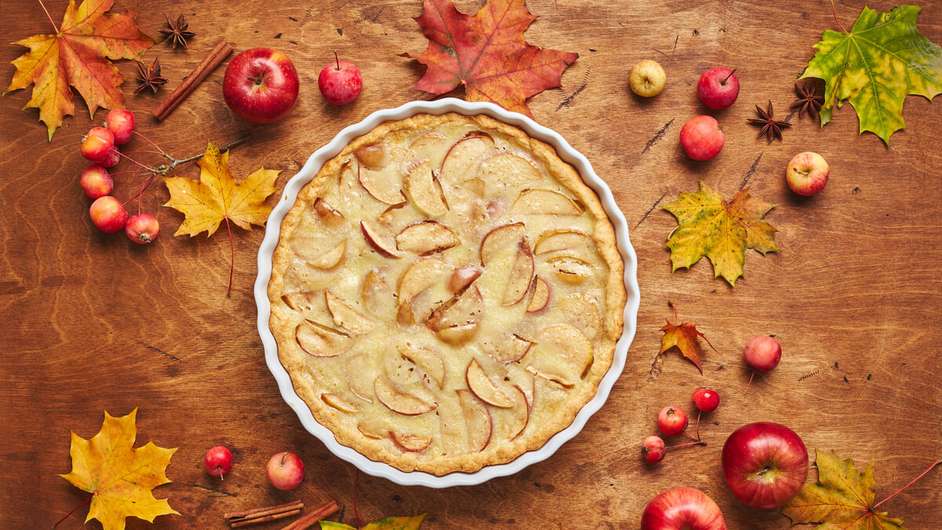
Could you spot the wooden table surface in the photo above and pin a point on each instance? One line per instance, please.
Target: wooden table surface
(91, 323)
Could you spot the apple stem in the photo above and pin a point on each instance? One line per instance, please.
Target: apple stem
(699, 413)
(725, 79)
(42, 5)
(686, 444)
(910, 483)
(135, 162)
(753, 374)
(337, 58)
(219, 469)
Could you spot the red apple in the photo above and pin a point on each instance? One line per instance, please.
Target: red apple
(718, 88)
(121, 124)
(340, 82)
(682, 508)
(97, 144)
(261, 85)
(96, 181)
(762, 353)
(285, 470)
(807, 173)
(108, 214)
(765, 464)
(702, 138)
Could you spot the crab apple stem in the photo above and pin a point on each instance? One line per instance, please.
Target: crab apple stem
(699, 413)
(725, 79)
(219, 469)
(910, 483)
(685, 444)
(231, 268)
(222, 149)
(753, 374)
(42, 5)
(151, 142)
(135, 162)
(337, 58)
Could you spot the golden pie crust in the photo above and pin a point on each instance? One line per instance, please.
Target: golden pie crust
(446, 293)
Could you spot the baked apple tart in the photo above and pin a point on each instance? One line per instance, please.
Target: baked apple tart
(446, 293)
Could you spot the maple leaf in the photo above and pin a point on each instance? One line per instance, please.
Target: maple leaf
(77, 56)
(216, 197)
(684, 337)
(119, 477)
(708, 225)
(841, 499)
(386, 523)
(875, 65)
(487, 53)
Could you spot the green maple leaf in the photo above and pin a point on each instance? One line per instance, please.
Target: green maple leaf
(841, 499)
(721, 230)
(881, 60)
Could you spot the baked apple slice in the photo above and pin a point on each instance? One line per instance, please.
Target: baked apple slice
(457, 319)
(319, 340)
(537, 201)
(521, 274)
(425, 191)
(382, 242)
(512, 421)
(384, 186)
(562, 354)
(464, 156)
(400, 402)
(372, 430)
(428, 360)
(308, 303)
(376, 296)
(540, 296)
(463, 277)
(331, 258)
(327, 213)
(426, 237)
(582, 313)
(477, 419)
(484, 388)
(571, 269)
(500, 240)
(360, 375)
(509, 168)
(512, 349)
(371, 156)
(346, 317)
(338, 403)
(426, 277)
(410, 442)
(565, 240)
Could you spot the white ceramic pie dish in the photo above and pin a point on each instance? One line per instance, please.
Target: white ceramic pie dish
(310, 169)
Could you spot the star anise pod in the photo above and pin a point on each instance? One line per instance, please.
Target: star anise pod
(148, 77)
(177, 33)
(810, 97)
(771, 128)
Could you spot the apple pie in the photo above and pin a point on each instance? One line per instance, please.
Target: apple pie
(446, 293)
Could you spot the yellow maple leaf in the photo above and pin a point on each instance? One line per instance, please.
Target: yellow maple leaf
(402, 522)
(217, 197)
(119, 477)
(721, 230)
(78, 55)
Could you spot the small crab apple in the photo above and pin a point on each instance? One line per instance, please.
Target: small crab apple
(718, 88)
(706, 399)
(121, 123)
(702, 138)
(108, 214)
(647, 78)
(111, 160)
(762, 353)
(96, 181)
(285, 470)
(652, 449)
(671, 421)
(97, 144)
(340, 82)
(218, 461)
(807, 173)
(142, 228)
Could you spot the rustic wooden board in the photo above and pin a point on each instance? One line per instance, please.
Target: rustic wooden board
(90, 323)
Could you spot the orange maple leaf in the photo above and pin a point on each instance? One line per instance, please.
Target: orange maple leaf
(487, 53)
(78, 55)
(684, 337)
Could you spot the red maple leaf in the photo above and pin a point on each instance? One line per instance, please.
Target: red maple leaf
(487, 53)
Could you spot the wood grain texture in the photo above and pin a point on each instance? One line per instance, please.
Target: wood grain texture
(92, 323)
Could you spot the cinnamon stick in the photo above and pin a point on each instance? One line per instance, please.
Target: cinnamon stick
(264, 514)
(314, 517)
(218, 54)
